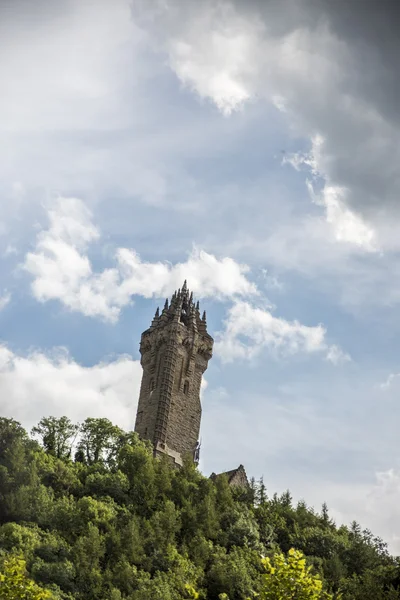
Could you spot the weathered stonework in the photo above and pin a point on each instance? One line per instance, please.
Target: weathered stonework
(175, 351)
(236, 477)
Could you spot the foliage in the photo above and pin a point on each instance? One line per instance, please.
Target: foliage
(90, 514)
(289, 577)
(15, 585)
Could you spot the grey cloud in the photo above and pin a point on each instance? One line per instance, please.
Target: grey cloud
(365, 159)
(346, 86)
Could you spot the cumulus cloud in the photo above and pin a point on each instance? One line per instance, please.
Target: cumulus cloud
(62, 270)
(249, 329)
(306, 60)
(43, 384)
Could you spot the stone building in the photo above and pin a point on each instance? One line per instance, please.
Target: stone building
(236, 477)
(175, 351)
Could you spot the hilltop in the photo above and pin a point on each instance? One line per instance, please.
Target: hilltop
(95, 516)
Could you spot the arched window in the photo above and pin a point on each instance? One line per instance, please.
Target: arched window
(186, 387)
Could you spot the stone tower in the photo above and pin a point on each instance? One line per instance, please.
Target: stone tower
(175, 351)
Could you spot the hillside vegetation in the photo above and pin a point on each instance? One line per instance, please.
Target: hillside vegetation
(87, 513)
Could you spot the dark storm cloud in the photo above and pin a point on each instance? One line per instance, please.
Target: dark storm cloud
(362, 153)
(371, 29)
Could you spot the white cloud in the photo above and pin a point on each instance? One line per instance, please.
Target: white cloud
(4, 300)
(248, 329)
(217, 66)
(347, 226)
(62, 270)
(336, 356)
(42, 384)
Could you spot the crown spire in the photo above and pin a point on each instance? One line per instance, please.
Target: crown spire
(181, 308)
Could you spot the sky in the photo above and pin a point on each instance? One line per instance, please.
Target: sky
(251, 148)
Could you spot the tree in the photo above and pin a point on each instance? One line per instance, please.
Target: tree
(261, 493)
(57, 435)
(10, 432)
(100, 441)
(288, 578)
(15, 585)
(233, 573)
(118, 524)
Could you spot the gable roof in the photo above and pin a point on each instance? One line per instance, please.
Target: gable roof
(235, 476)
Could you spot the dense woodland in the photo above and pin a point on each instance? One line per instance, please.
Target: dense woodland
(87, 513)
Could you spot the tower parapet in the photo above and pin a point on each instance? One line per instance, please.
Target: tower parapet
(175, 351)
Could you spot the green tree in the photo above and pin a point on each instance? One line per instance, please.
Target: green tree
(99, 441)
(20, 538)
(10, 432)
(234, 573)
(118, 524)
(288, 578)
(57, 435)
(14, 583)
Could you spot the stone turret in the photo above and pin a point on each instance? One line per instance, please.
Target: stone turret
(175, 351)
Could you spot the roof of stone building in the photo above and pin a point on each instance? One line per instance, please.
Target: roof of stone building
(234, 474)
(181, 308)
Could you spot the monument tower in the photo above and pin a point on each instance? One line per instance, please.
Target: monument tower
(175, 351)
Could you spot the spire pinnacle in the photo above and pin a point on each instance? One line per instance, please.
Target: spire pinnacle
(204, 318)
(198, 305)
(166, 304)
(184, 288)
(157, 313)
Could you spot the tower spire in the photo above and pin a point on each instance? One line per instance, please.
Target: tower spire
(156, 319)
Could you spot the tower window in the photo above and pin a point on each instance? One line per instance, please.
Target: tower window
(152, 385)
(186, 387)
